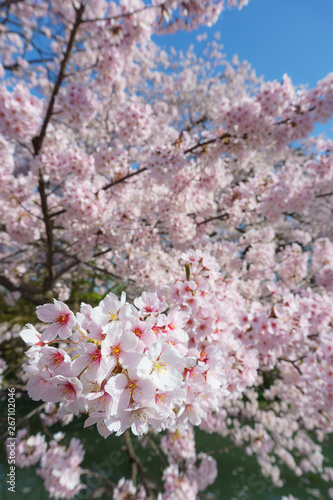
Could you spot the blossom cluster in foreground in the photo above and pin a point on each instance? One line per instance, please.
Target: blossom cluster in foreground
(143, 366)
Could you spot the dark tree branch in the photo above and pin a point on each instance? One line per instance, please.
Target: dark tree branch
(103, 252)
(293, 362)
(27, 292)
(224, 137)
(163, 463)
(4, 281)
(107, 186)
(137, 467)
(323, 195)
(102, 271)
(49, 234)
(217, 217)
(60, 212)
(67, 267)
(122, 179)
(38, 140)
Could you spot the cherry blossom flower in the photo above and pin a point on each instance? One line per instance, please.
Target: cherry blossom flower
(60, 316)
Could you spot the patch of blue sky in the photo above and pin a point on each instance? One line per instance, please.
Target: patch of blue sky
(275, 37)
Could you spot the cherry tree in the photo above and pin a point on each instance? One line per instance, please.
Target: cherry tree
(195, 185)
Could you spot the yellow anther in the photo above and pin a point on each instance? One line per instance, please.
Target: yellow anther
(115, 350)
(159, 366)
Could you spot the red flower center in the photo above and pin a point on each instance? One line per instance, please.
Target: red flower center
(63, 318)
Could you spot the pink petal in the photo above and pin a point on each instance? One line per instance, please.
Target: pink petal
(50, 333)
(47, 312)
(30, 336)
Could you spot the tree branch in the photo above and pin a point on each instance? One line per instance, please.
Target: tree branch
(220, 217)
(136, 466)
(8, 284)
(26, 291)
(224, 137)
(323, 195)
(107, 186)
(38, 140)
(293, 362)
(122, 179)
(49, 234)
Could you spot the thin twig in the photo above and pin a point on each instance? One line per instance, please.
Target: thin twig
(157, 453)
(323, 195)
(225, 136)
(220, 217)
(137, 467)
(293, 362)
(122, 179)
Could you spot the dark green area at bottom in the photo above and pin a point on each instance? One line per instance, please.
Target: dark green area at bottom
(239, 475)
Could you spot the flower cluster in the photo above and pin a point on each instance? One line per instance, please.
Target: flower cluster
(20, 112)
(125, 489)
(52, 414)
(60, 469)
(59, 465)
(78, 105)
(126, 366)
(187, 473)
(143, 366)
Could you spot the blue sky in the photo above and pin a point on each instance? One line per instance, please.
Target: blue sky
(276, 37)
